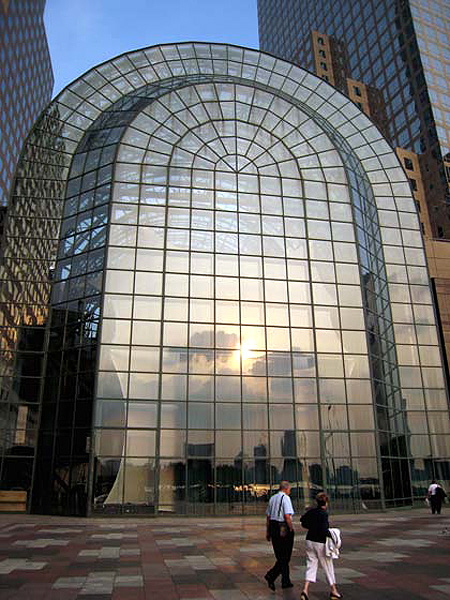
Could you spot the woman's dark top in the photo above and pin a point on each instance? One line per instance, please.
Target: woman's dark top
(316, 522)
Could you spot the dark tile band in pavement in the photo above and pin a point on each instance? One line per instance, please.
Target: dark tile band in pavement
(385, 557)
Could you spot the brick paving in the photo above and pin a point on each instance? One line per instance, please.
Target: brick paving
(386, 556)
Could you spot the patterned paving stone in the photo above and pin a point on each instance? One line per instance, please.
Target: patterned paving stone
(170, 531)
(257, 549)
(18, 526)
(69, 583)
(195, 597)
(100, 582)
(347, 575)
(228, 595)
(200, 563)
(394, 519)
(130, 552)
(41, 543)
(180, 542)
(60, 530)
(222, 561)
(215, 559)
(117, 526)
(444, 589)
(380, 557)
(417, 543)
(114, 536)
(443, 586)
(14, 564)
(129, 581)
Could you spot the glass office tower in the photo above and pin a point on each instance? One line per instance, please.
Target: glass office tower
(26, 80)
(400, 49)
(238, 295)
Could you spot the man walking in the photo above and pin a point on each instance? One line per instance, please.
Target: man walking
(280, 531)
(436, 496)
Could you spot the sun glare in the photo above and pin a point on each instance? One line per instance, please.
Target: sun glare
(245, 352)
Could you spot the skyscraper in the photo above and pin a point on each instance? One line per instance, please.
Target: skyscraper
(216, 278)
(392, 58)
(390, 53)
(26, 80)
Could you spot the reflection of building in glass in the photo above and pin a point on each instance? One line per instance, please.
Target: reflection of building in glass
(27, 80)
(26, 86)
(28, 253)
(238, 294)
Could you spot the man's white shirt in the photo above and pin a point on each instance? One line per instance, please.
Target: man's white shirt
(279, 505)
(432, 489)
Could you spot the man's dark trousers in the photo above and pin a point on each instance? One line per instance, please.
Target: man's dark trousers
(282, 547)
(436, 504)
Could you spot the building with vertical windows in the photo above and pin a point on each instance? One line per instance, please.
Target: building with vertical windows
(216, 279)
(392, 59)
(26, 82)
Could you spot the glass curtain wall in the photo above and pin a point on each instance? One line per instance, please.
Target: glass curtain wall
(29, 242)
(215, 304)
(241, 246)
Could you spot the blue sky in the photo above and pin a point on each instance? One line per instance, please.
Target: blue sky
(83, 33)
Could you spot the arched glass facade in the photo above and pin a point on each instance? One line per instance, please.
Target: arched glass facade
(239, 294)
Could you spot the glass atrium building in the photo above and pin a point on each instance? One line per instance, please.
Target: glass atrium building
(216, 279)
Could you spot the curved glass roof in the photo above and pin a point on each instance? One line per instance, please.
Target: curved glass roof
(84, 100)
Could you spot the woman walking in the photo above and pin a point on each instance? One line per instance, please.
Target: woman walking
(316, 522)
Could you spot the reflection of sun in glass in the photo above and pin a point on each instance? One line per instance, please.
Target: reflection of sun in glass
(244, 353)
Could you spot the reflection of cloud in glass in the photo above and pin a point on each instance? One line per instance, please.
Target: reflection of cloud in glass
(226, 340)
(257, 366)
(254, 389)
(201, 387)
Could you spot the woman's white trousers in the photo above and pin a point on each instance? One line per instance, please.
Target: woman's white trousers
(315, 555)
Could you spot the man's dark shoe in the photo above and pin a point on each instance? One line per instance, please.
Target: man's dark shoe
(285, 586)
(270, 582)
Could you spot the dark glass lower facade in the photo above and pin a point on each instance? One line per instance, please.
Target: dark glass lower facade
(238, 295)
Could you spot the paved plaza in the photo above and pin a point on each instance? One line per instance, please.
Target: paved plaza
(386, 556)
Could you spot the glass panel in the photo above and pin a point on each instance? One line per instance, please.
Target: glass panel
(139, 482)
(142, 414)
